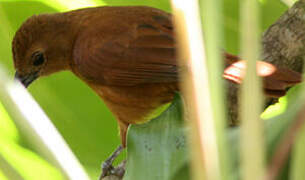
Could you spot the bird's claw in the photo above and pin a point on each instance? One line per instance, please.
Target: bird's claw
(108, 169)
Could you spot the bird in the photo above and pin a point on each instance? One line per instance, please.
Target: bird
(126, 54)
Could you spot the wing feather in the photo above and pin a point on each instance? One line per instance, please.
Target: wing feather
(142, 53)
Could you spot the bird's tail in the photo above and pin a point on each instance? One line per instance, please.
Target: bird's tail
(276, 80)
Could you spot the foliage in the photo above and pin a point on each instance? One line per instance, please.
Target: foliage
(162, 143)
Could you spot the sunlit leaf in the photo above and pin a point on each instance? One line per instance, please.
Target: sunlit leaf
(157, 149)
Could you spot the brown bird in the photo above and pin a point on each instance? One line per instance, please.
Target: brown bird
(127, 55)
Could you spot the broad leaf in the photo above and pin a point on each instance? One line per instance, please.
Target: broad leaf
(157, 149)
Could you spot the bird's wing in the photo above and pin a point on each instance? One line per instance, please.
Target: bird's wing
(137, 53)
(275, 80)
(135, 45)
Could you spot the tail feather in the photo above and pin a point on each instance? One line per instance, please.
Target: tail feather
(276, 80)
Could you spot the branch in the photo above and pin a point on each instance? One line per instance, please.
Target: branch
(283, 44)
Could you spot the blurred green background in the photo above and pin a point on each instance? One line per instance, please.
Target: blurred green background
(78, 113)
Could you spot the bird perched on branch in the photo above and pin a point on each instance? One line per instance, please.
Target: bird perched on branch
(127, 55)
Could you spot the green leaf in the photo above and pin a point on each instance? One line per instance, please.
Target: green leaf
(157, 149)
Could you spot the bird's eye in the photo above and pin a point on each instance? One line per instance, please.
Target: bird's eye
(38, 58)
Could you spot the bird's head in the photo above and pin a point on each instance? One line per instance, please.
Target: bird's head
(41, 46)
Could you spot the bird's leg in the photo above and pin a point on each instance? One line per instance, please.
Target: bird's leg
(108, 168)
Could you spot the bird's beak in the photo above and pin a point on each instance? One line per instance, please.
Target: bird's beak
(27, 79)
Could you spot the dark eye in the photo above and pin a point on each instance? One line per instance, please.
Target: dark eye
(38, 58)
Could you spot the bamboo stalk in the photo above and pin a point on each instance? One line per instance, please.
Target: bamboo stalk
(211, 24)
(37, 127)
(197, 91)
(252, 143)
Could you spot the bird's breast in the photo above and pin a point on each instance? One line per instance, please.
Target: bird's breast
(136, 104)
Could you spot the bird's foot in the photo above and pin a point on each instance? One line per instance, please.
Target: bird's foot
(109, 170)
(114, 173)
